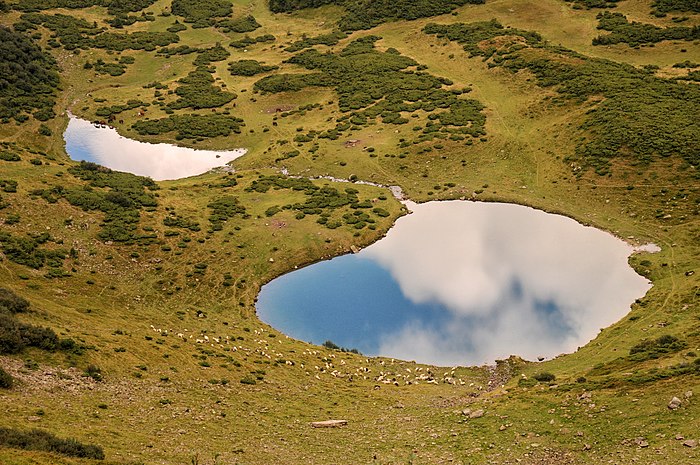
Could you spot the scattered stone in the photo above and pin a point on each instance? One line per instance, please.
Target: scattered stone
(33, 418)
(690, 443)
(477, 414)
(641, 442)
(688, 394)
(466, 412)
(674, 404)
(679, 437)
(329, 423)
(502, 428)
(586, 447)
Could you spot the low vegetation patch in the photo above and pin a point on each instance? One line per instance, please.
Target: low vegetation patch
(40, 440)
(28, 79)
(375, 85)
(635, 33)
(191, 126)
(249, 68)
(640, 117)
(654, 348)
(76, 33)
(201, 12)
(365, 14)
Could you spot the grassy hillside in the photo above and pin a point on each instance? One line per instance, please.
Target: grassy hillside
(145, 291)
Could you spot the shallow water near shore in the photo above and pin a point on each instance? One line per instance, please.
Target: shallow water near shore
(104, 146)
(462, 283)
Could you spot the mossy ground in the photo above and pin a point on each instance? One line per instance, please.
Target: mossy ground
(170, 399)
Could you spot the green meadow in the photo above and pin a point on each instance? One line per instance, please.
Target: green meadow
(128, 331)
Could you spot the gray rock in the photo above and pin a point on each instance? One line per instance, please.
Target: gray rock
(477, 414)
(329, 423)
(675, 403)
(690, 443)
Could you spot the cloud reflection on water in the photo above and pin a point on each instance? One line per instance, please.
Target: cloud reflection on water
(514, 280)
(106, 147)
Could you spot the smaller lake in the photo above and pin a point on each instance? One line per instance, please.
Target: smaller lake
(104, 146)
(462, 283)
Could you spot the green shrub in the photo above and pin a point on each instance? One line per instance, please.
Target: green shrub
(249, 68)
(94, 372)
(29, 78)
(635, 33)
(654, 348)
(365, 14)
(201, 12)
(44, 441)
(191, 126)
(640, 117)
(244, 24)
(6, 380)
(9, 156)
(544, 377)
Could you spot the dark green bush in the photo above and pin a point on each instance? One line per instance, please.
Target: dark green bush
(249, 68)
(224, 208)
(375, 85)
(28, 78)
(201, 12)
(6, 380)
(654, 348)
(191, 126)
(640, 117)
(248, 41)
(324, 39)
(197, 91)
(545, 377)
(9, 156)
(244, 24)
(635, 33)
(365, 14)
(113, 6)
(44, 441)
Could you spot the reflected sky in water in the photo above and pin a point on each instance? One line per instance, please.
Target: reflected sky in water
(106, 147)
(462, 283)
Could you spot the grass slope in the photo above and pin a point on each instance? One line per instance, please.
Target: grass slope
(189, 375)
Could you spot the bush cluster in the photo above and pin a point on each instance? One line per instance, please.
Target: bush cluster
(191, 126)
(635, 33)
(114, 7)
(201, 12)
(29, 250)
(197, 90)
(47, 442)
(321, 201)
(15, 336)
(247, 41)
(28, 78)
(654, 348)
(249, 68)
(324, 39)
(76, 33)
(661, 7)
(120, 196)
(224, 208)
(243, 24)
(373, 84)
(640, 118)
(365, 14)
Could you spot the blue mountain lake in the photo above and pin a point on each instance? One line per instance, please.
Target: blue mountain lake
(104, 146)
(461, 283)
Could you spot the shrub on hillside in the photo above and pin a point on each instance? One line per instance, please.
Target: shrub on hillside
(44, 441)
(6, 380)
